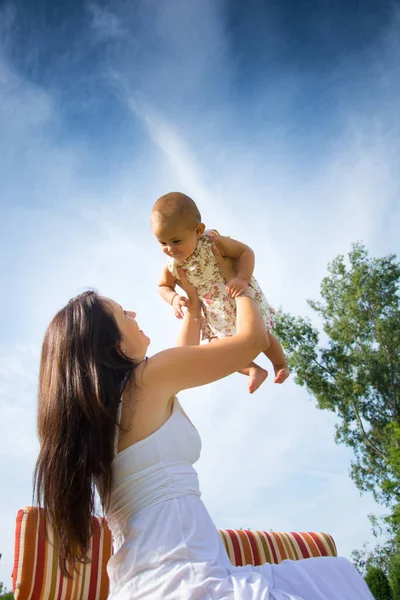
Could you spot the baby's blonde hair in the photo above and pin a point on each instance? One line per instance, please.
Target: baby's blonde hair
(176, 207)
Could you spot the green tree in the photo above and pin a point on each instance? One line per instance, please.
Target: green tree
(379, 556)
(356, 371)
(394, 575)
(4, 594)
(378, 584)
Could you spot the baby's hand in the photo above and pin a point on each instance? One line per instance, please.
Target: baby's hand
(178, 303)
(236, 286)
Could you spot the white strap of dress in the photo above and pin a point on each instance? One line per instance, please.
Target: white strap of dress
(116, 435)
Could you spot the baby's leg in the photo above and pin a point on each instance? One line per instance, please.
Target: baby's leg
(277, 357)
(256, 374)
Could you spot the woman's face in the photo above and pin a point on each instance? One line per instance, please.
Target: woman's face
(134, 341)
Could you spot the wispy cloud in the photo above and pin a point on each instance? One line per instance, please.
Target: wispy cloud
(106, 25)
(177, 153)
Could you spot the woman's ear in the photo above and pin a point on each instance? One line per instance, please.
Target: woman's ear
(200, 227)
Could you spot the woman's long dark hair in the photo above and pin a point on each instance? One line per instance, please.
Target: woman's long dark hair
(83, 373)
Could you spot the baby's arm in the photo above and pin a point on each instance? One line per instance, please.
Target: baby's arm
(166, 285)
(166, 289)
(245, 261)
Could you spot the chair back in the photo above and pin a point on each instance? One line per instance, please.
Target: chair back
(37, 575)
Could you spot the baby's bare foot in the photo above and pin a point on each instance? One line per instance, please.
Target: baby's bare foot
(282, 372)
(257, 376)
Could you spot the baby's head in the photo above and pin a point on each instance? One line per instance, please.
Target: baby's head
(176, 223)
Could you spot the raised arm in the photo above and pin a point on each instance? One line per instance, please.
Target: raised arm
(185, 367)
(189, 334)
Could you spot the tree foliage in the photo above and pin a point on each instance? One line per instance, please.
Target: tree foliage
(394, 575)
(4, 594)
(378, 584)
(379, 556)
(356, 371)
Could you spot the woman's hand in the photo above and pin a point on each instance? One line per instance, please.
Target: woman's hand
(193, 298)
(228, 266)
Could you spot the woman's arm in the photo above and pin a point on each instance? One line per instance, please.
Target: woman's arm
(190, 331)
(181, 368)
(189, 334)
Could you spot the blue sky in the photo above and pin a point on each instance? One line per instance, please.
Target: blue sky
(281, 120)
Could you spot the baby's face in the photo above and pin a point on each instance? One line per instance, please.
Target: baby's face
(178, 241)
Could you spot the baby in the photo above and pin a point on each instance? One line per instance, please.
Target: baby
(176, 223)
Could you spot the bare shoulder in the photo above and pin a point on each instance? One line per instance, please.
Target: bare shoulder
(144, 411)
(152, 375)
(149, 389)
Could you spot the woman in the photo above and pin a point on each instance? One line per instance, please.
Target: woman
(94, 376)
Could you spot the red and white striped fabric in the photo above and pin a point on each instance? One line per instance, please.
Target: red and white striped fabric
(37, 576)
(245, 547)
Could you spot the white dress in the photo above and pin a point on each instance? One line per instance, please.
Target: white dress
(167, 546)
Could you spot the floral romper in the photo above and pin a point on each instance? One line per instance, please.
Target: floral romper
(219, 309)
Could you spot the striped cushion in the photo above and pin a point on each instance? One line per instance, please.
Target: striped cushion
(36, 574)
(257, 547)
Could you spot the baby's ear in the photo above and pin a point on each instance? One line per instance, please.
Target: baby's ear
(200, 229)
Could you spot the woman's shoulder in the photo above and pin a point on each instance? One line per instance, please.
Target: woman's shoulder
(150, 382)
(152, 374)
(144, 414)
